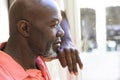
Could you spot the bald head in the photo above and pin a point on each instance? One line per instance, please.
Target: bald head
(29, 10)
(35, 26)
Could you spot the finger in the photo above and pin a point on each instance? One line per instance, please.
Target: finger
(69, 60)
(61, 57)
(74, 63)
(79, 60)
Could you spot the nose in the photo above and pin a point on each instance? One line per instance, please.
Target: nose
(60, 32)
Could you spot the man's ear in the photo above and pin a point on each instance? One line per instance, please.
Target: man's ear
(23, 27)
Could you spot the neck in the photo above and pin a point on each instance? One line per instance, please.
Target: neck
(21, 53)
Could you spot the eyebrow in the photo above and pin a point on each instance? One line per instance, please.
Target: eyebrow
(59, 19)
(54, 20)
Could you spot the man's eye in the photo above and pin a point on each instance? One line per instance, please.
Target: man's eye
(53, 25)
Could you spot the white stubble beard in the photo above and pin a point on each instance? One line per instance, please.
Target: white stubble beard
(51, 54)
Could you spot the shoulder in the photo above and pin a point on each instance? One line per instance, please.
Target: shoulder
(10, 68)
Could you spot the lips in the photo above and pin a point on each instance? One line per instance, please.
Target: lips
(57, 43)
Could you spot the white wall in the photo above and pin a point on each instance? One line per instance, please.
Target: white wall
(3, 21)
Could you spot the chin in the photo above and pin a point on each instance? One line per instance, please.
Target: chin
(50, 55)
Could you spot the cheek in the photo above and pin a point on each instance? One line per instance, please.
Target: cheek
(50, 39)
(42, 39)
(50, 35)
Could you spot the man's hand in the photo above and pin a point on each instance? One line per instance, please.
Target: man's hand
(68, 56)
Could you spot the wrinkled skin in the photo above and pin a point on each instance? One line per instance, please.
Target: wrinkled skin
(68, 54)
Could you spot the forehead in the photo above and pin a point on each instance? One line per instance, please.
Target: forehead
(51, 17)
(43, 10)
(56, 17)
(51, 6)
(48, 10)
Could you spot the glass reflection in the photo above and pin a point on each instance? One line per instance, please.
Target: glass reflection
(88, 29)
(113, 28)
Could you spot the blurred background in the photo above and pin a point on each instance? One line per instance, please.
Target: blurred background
(95, 30)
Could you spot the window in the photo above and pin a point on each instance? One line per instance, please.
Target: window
(88, 29)
(97, 24)
(113, 28)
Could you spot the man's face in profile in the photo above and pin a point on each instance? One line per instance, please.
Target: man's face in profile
(46, 31)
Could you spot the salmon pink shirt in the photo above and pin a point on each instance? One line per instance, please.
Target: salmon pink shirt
(11, 70)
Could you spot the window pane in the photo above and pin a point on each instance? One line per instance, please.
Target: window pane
(88, 29)
(113, 28)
